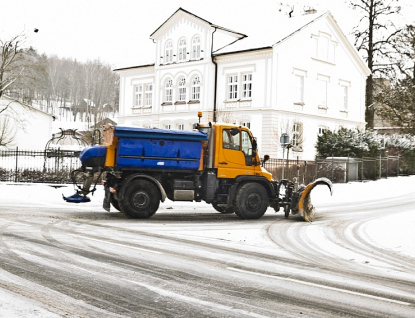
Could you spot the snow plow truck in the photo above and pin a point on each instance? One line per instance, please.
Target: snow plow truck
(216, 163)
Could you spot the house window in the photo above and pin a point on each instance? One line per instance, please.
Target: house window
(168, 56)
(246, 124)
(345, 91)
(344, 95)
(247, 86)
(180, 126)
(232, 86)
(322, 82)
(297, 132)
(321, 130)
(196, 88)
(299, 89)
(182, 50)
(325, 47)
(182, 89)
(168, 91)
(138, 96)
(196, 47)
(167, 126)
(148, 95)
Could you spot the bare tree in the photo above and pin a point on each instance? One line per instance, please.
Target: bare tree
(372, 37)
(7, 131)
(396, 94)
(19, 74)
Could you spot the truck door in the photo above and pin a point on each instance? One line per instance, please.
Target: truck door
(236, 154)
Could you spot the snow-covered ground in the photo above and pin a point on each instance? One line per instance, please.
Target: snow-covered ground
(389, 231)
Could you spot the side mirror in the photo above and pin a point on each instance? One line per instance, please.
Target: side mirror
(255, 145)
(234, 131)
(266, 158)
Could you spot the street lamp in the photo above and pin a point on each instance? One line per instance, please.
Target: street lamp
(284, 141)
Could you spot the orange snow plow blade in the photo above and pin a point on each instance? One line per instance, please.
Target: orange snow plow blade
(305, 208)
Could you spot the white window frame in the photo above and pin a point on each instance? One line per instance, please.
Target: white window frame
(325, 47)
(299, 89)
(246, 86)
(180, 126)
(181, 97)
(148, 95)
(321, 129)
(232, 90)
(296, 134)
(168, 91)
(196, 47)
(195, 88)
(181, 50)
(168, 49)
(344, 95)
(138, 96)
(246, 124)
(322, 91)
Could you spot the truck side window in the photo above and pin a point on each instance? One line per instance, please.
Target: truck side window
(229, 141)
(246, 143)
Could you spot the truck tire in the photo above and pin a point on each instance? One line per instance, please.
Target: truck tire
(251, 201)
(141, 199)
(222, 209)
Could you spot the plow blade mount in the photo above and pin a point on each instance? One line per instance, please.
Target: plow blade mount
(305, 208)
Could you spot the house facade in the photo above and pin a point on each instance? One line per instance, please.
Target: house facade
(298, 76)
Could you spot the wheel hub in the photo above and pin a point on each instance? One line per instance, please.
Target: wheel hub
(253, 202)
(141, 200)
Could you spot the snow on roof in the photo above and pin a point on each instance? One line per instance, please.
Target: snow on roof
(270, 32)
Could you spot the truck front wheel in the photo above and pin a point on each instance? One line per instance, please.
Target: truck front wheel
(251, 201)
(141, 199)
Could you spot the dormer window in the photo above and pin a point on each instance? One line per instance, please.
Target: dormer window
(182, 50)
(168, 56)
(196, 47)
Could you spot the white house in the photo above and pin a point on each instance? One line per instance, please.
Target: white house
(29, 127)
(297, 76)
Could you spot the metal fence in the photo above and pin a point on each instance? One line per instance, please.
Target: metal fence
(48, 166)
(340, 170)
(54, 166)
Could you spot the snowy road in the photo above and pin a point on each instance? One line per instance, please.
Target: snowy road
(61, 260)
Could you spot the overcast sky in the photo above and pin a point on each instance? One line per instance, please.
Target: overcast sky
(118, 31)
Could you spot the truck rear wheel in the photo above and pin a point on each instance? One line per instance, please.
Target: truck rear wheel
(141, 199)
(251, 201)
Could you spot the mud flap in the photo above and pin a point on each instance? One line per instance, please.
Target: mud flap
(106, 204)
(305, 208)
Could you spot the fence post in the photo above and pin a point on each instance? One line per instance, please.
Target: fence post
(16, 167)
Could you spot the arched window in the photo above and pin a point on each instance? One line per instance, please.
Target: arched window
(182, 89)
(168, 95)
(196, 88)
(181, 53)
(168, 56)
(196, 47)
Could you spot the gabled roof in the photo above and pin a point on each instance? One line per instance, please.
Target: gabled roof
(181, 10)
(277, 31)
